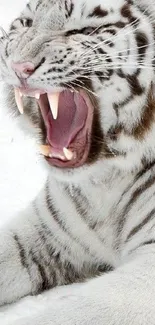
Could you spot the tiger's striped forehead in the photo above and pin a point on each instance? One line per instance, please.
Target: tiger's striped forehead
(80, 12)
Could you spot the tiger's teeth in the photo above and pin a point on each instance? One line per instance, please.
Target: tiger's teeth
(54, 103)
(19, 102)
(68, 154)
(37, 96)
(45, 150)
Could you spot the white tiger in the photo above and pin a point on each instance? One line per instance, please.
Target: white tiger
(82, 73)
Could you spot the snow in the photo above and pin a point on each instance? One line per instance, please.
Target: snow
(21, 175)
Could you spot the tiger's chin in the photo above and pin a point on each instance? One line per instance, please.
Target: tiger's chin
(68, 121)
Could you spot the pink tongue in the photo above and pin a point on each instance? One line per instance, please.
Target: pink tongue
(71, 119)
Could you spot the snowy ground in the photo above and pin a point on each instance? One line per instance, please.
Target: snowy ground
(21, 176)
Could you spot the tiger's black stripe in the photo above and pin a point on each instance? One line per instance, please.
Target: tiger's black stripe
(147, 167)
(44, 284)
(98, 12)
(142, 44)
(22, 253)
(149, 242)
(38, 4)
(84, 208)
(110, 28)
(56, 240)
(49, 271)
(137, 193)
(69, 9)
(80, 202)
(125, 101)
(56, 216)
(136, 229)
(28, 6)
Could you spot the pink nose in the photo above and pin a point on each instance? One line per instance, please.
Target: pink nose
(23, 69)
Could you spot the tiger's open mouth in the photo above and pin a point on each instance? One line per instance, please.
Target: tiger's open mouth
(68, 117)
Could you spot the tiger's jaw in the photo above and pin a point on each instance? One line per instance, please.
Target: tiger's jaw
(68, 119)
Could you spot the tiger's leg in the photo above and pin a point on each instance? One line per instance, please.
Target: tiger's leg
(123, 297)
(30, 258)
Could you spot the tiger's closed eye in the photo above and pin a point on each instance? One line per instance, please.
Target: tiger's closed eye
(88, 30)
(84, 31)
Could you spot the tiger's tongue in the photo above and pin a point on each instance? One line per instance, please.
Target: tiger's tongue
(72, 115)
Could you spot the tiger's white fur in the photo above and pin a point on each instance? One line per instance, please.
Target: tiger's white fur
(99, 217)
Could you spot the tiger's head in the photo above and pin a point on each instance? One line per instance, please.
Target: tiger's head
(83, 72)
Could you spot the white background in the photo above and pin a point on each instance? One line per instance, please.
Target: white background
(21, 176)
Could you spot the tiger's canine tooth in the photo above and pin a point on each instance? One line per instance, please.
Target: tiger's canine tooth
(37, 96)
(54, 103)
(68, 154)
(45, 150)
(19, 102)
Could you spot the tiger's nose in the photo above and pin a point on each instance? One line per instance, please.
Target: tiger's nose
(23, 69)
